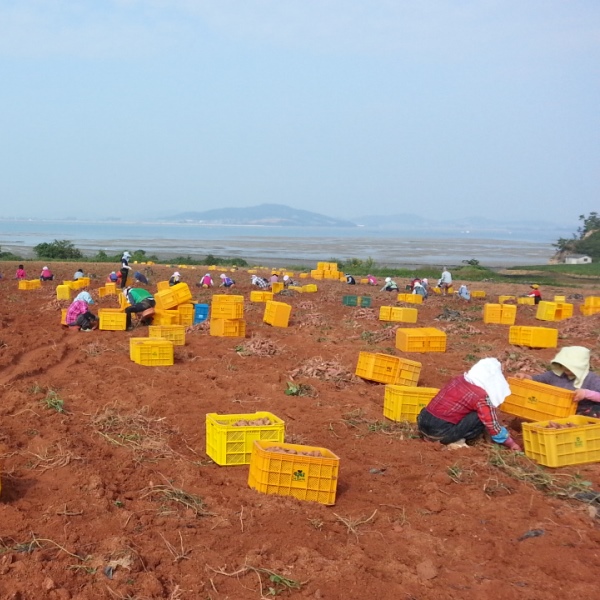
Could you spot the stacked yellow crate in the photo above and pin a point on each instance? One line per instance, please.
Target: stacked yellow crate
(590, 306)
(174, 306)
(326, 270)
(227, 316)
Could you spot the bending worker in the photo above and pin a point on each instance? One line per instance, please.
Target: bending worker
(570, 370)
(466, 407)
(140, 300)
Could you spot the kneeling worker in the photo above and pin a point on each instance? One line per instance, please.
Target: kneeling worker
(466, 407)
(140, 300)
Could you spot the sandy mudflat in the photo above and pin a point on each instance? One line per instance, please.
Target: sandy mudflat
(392, 252)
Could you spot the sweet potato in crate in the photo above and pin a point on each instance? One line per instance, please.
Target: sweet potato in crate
(536, 401)
(573, 440)
(303, 472)
(229, 441)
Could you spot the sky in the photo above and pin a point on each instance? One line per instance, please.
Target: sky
(343, 107)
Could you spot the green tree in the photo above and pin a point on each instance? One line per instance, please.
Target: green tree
(590, 223)
(58, 250)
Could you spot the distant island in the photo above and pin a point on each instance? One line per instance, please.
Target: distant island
(264, 214)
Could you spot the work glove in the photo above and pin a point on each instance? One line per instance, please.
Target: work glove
(512, 445)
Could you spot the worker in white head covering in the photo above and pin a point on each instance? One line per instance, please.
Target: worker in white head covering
(175, 278)
(466, 407)
(570, 370)
(125, 268)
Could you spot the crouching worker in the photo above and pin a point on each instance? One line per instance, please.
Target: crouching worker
(79, 314)
(390, 285)
(466, 407)
(140, 300)
(570, 370)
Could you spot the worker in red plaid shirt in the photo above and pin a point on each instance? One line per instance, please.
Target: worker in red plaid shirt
(466, 407)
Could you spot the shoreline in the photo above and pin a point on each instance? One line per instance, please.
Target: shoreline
(406, 253)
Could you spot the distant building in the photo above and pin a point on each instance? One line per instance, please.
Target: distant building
(577, 259)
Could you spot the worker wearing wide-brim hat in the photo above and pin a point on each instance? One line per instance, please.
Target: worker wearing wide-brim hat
(535, 293)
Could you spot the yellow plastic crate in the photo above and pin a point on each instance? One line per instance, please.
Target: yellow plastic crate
(228, 327)
(304, 275)
(297, 288)
(421, 339)
(503, 299)
(533, 337)
(410, 298)
(384, 368)
(226, 299)
(261, 296)
(322, 266)
(385, 313)
(84, 281)
(63, 316)
(165, 317)
(526, 300)
(560, 298)
(536, 401)
(175, 295)
(232, 310)
(173, 333)
(162, 285)
(63, 292)
(186, 314)
(477, 294)
(553, 447)
(309, 288)
(277, 287)
(29, 284)
(228, 444)
(587, 311)
(403, 315)
(277, 314)
(312, 478)
(592, 301)
(112, 319)
(548, 311)
(102, 293)
(404, 403)
(151, 352)
(502, 314)
(110, 287)
(363, 281)
(317, 274)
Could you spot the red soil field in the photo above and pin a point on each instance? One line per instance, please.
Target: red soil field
(116, 497)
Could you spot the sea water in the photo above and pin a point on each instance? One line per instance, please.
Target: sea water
(493, 247)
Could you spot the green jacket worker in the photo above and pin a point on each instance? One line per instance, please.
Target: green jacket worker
(140, 300)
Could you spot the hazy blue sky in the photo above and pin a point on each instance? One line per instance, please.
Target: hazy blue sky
(344, 107)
